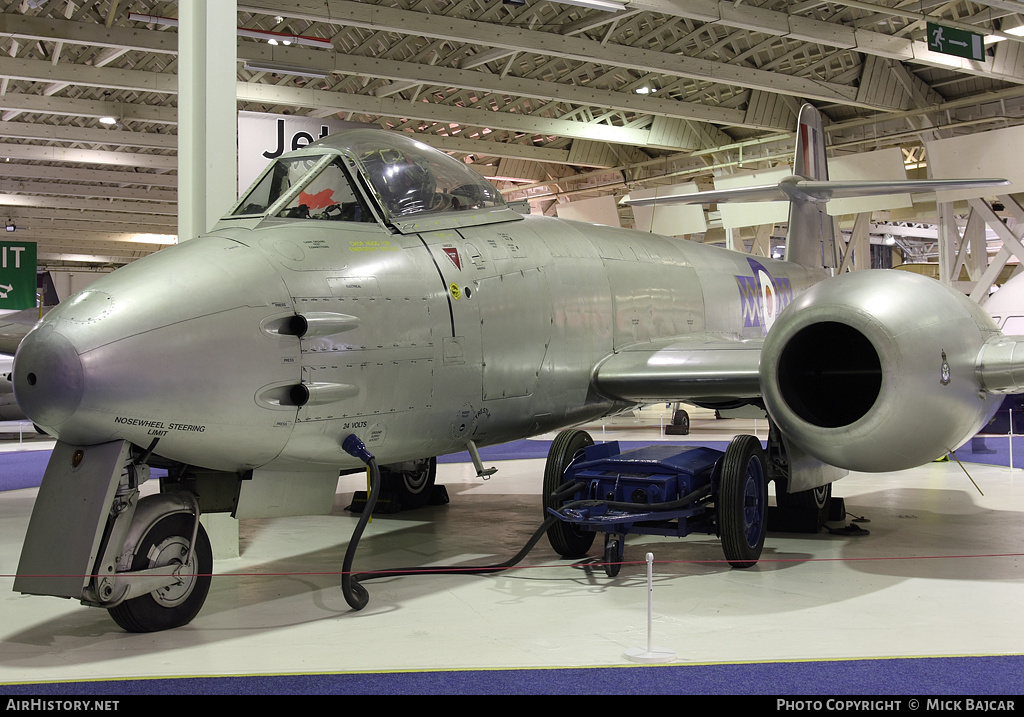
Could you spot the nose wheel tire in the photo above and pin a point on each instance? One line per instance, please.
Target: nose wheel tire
(166, 543)
(566, 539)
(742, 501)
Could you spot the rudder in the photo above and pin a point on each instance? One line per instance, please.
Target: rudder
(811, 237)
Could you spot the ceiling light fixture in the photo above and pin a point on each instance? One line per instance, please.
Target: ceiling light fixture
(606, 5)
(285, 38)
(108, 120)
(282, 69)
(10, 226)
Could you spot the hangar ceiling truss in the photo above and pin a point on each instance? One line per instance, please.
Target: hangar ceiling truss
(554, 98)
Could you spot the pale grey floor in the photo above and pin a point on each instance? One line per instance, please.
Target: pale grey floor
(940, 574)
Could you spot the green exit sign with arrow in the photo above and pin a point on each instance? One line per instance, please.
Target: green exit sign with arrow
(17, 275)
(961, 43)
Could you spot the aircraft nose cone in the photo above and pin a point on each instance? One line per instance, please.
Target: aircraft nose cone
(48, 377)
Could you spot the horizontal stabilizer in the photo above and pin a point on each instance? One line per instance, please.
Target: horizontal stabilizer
(807, 190)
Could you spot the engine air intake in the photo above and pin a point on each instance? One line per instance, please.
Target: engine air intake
(830, 374)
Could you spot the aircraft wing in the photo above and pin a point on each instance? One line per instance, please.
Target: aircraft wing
(816, 191)
(14, 326)
(699, 367)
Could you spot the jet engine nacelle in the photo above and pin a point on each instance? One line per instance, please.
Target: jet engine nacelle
(878, 370)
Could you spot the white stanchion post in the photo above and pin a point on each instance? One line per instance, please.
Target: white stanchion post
(651, 654)
(1011, 438)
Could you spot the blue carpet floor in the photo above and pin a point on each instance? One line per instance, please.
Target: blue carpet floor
(23, 469)
(986, 675)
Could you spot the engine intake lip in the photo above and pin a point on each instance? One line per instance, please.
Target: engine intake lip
(829, 374)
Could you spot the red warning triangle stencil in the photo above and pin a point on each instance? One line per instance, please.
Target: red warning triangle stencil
(453, 254)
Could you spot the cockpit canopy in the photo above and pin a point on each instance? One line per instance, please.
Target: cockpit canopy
(355, 174)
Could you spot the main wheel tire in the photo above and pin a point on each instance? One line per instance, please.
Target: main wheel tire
(167, 542)
(566, 539)
(742, 501)
(814, 501)
(681, 419)
(411, 483)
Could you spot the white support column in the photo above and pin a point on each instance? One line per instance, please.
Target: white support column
(971, 252)
(862, 234)
(991, 274)
(208, 149)
(207, 113)
(974, 237)
(948, 239)
(1012, 245)
(832, 252)
(858, 251)
(762, 245)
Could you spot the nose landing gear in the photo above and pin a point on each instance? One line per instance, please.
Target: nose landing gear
(168, 543)
(147, 561)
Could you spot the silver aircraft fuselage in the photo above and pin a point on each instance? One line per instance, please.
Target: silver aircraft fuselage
(488, 330)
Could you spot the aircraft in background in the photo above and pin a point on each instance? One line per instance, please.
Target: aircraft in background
(14, 326)
(9, 409)
(1006, 306)
(368, 286)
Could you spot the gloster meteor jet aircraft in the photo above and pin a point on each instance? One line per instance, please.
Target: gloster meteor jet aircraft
(369, 287)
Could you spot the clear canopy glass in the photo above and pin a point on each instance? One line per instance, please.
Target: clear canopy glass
(411, 178)
(404, 176)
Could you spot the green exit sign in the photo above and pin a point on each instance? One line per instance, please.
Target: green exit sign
(17, 275)
(961, 43)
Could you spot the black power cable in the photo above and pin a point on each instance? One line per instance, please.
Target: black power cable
(356, 595)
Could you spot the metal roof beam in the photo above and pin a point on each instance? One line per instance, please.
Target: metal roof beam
(377, 17)
(301, 97)
(88, 108)
(38, 153)
(88, 135)
(71, 174)
(94, 191)
(81, 33)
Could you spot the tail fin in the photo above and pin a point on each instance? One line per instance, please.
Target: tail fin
(811, 237)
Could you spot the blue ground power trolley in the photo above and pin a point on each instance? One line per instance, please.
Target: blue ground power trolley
(655, 490)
